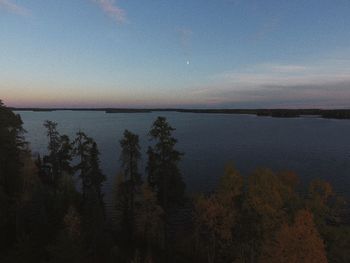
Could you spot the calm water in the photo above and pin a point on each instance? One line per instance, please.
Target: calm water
(312, 147)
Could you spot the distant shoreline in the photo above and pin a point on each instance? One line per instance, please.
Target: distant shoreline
(277, 113)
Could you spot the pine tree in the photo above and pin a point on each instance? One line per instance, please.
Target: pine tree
(93, 210)
(12, 144)
(163, 171)
(65, 153)
(95, 173)
(53, 146)
(130, 157)
(82, 149)
(12, 149)
(60, 154)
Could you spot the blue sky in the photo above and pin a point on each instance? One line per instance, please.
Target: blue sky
(193, 53)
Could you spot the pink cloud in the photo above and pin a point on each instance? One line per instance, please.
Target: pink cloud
(114, 11)
(9, 6)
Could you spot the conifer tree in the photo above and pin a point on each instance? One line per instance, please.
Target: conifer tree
(92, 178)
(82, 149)
(53, 146)
(12, 149)
(60, 154)
(95, 173)
(163, 171)
(12, 144)
(65, 155)
(130, 157)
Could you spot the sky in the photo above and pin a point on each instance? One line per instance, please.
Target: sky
(184, 53)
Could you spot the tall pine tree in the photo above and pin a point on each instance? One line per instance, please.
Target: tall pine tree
(95, 173)
(82, 149)
(163, 165)
(130, 186)
(60, 154)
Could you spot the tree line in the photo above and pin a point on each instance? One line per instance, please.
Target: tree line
(52, 208)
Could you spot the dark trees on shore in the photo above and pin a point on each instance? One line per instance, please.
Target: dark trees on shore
(263, 217)
(12, 150)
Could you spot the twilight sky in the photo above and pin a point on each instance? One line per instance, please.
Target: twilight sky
(183, 53)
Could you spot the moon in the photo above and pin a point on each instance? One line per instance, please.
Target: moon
(188, 62)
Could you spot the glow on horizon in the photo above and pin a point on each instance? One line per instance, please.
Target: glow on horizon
(68, 97)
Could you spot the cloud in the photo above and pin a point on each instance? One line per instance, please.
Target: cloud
(322, 72)
(115, 12)
(10, 6)
(324, 83)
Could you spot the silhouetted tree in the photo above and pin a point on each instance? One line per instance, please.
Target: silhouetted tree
(92, 178)
(12, 144)
(53, 147)
(60, 154)
(65, 155)
(163, 171)
(82, 150)
(151, 167)
(130, 157)
(12, 150)
(93, 223)
(95, 173)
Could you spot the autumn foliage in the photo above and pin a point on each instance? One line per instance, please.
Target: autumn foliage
(299, 242)
(52, 208)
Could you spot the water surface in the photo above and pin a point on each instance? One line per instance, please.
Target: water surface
(312, 147)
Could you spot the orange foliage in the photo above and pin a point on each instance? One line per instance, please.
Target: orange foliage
(296, 243)
(213, 218)
(265, 192)
(230, 187)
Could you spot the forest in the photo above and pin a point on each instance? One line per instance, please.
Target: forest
(52, 207)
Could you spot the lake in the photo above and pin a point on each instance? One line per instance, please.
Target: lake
(312, 147)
